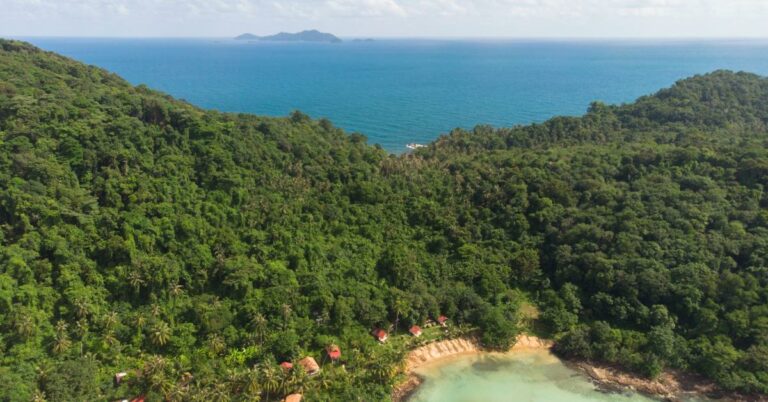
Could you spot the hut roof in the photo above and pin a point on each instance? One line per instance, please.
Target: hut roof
(415, 330)
(442, 319)
(333, 352)
(309, 364)
(293, 398)
(286, 365)
(380, 333)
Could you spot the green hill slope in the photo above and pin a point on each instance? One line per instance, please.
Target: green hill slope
(195, 250)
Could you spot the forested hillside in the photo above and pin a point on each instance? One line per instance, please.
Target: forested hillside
(196, 250)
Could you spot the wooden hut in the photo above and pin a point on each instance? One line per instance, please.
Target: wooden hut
(415, 331)
(119, 377)
(293, 398)
(442, 320)
(380, 335)
(310, 365)
(334, 352)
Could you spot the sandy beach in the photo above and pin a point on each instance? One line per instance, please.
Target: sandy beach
(443, 350)
(672, 385)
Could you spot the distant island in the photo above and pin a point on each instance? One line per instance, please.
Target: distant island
(303, 36)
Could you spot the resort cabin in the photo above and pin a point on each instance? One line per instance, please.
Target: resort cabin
(119, 377)
(286, 366)
(442, 320)
(293, 398)
(334, 353)
(415, 331)
(381, 335)
(310, 365)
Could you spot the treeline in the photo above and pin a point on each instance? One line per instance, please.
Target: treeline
(196, 250)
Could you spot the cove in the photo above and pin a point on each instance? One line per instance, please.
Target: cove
(523, 376)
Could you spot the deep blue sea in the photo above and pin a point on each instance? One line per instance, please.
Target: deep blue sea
(401, 91)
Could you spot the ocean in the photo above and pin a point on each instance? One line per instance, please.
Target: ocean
(410, 91)
(521, 376)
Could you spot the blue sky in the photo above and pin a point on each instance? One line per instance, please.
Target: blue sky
(387, 18)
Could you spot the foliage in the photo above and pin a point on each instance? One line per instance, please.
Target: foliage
(196, 250)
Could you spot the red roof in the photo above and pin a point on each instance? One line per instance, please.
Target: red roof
(415, 330)
(333, 352)
(286, 365)
(140, 398)
(442, 319)
(380, 333)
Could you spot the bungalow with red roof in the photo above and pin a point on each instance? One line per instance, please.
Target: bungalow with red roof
(334, 353)
(415, 331)
(442, 320)
(286, 365)
(381, 335)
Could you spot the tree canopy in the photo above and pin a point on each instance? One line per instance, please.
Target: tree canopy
(195, 250)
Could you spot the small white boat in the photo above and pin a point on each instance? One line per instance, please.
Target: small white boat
(414, 145)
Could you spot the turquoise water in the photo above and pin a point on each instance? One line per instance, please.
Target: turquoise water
(532, 376)
(402, 91)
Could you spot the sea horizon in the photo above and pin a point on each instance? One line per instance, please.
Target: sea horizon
(398, 91)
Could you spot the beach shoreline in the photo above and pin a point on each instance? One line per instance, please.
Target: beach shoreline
(447, 349)
(672, 385)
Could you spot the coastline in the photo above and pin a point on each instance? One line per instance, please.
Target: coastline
(672, 385)
(441, 350)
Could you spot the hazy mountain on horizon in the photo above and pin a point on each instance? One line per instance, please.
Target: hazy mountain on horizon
(303, 36)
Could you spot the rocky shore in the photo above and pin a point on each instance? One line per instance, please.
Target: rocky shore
(672, 385)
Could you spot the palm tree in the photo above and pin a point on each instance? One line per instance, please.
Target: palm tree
(220, 393)
(176, 289)
(82, 328)
(61, 343)
(61, 326)
(140, 322)
(270, 379)
(38, 396)
(177, 394)
(251, 385)
(401, 307)
(110, 319)
(82, 309)
(156, 310)
(216, 343)
(161, 333)
(25, 325)
(297, 380)
(259, 323)
(286, 310)
(136, 280)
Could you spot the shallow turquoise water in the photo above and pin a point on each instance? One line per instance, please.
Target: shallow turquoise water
(402, 91)
(530, 376)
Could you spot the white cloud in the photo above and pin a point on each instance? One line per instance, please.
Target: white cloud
(365, 8)
(383, 17)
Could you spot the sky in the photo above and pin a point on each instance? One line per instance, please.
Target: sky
(388, 18)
